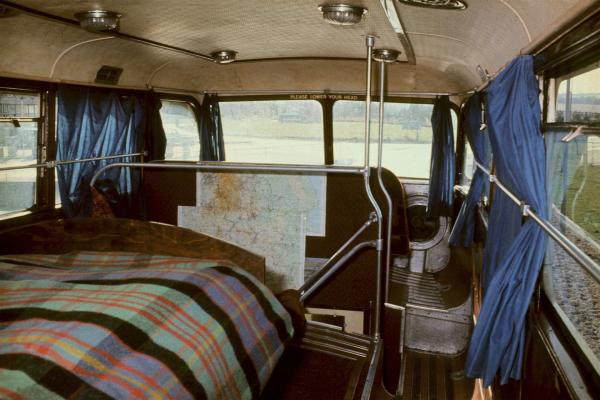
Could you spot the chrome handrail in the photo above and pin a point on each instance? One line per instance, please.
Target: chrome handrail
(571, 248)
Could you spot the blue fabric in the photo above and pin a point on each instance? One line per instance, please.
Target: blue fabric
(94, 123)
(441, 174)
(155, 138)
(212, 147)
(464, 227)
(513, 115)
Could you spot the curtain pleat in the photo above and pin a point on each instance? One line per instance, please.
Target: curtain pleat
(96, 123)
(211, 130)
(514, 250)
(441, 174)
(464, 227)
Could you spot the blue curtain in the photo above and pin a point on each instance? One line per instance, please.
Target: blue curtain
(92, 123)
(211, 130)
(155, 138)
(464, 227)
(441, 174)
(512, 262)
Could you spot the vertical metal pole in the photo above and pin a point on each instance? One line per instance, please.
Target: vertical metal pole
(370, 41)
(388, 237)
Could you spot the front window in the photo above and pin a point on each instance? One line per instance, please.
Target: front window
(19, 127)
(273, 131)
(407, 136)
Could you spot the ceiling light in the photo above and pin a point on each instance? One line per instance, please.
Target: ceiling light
(224, 56)
(99, 21)
(443, 4)
(385, 55)
(342, 14)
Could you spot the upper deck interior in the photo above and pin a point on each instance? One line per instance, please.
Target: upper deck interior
(292, 105)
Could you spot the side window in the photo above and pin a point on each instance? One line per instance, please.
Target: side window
(273, 131)
(573, 187)
(181, 129)
(407, 136)
(578, 98)
(19, 129)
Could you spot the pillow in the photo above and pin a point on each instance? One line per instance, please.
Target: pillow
(100, 206)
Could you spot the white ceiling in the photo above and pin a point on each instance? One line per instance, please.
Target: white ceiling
(448, 45)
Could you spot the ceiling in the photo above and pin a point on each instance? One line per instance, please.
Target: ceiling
(281, 44)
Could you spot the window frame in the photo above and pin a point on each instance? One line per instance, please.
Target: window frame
(411, 100)
(44, 206)
(322, 99)
(551, 81)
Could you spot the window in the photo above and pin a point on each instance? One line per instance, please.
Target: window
(407, 136)
(573, 165)
(19, 128)
(573, 190)
(181, 130)
(469, 166)
(273, 131)
(579, 98)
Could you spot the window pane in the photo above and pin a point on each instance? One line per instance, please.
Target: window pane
(181, 129)
(573, 190)
(17, 147)
(15, 104)
(274, 131)
(407, 136)
(579, 98)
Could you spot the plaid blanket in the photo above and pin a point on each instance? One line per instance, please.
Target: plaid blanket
(127, 325)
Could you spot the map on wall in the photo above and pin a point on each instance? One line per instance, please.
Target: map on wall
(268, 214)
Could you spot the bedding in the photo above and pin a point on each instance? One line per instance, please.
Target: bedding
(132, 325)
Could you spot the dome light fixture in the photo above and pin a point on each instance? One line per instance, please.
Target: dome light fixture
(99, 20)
(224, 56)
(342, 14)
(385, 55)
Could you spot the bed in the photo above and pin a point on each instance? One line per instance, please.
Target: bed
(108, 308)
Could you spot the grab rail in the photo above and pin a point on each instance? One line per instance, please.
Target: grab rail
(54, 163)
(583, 259)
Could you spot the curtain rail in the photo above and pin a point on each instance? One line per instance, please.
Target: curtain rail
(286, 92)
(54, 163)
(225, 166)
(583, 259)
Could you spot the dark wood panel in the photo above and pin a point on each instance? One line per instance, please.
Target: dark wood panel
(165, 190)
(94, 234)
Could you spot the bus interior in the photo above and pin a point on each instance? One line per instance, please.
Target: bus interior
(385, 199)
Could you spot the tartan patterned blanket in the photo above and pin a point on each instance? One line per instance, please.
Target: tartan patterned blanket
(135, 326)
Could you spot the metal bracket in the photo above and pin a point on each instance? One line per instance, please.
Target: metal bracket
(524, 208)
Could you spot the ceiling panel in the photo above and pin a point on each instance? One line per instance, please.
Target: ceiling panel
(255, 28)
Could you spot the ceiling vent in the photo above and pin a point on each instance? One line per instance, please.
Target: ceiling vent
(439, 4)
(108, 75)
(6, 12)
